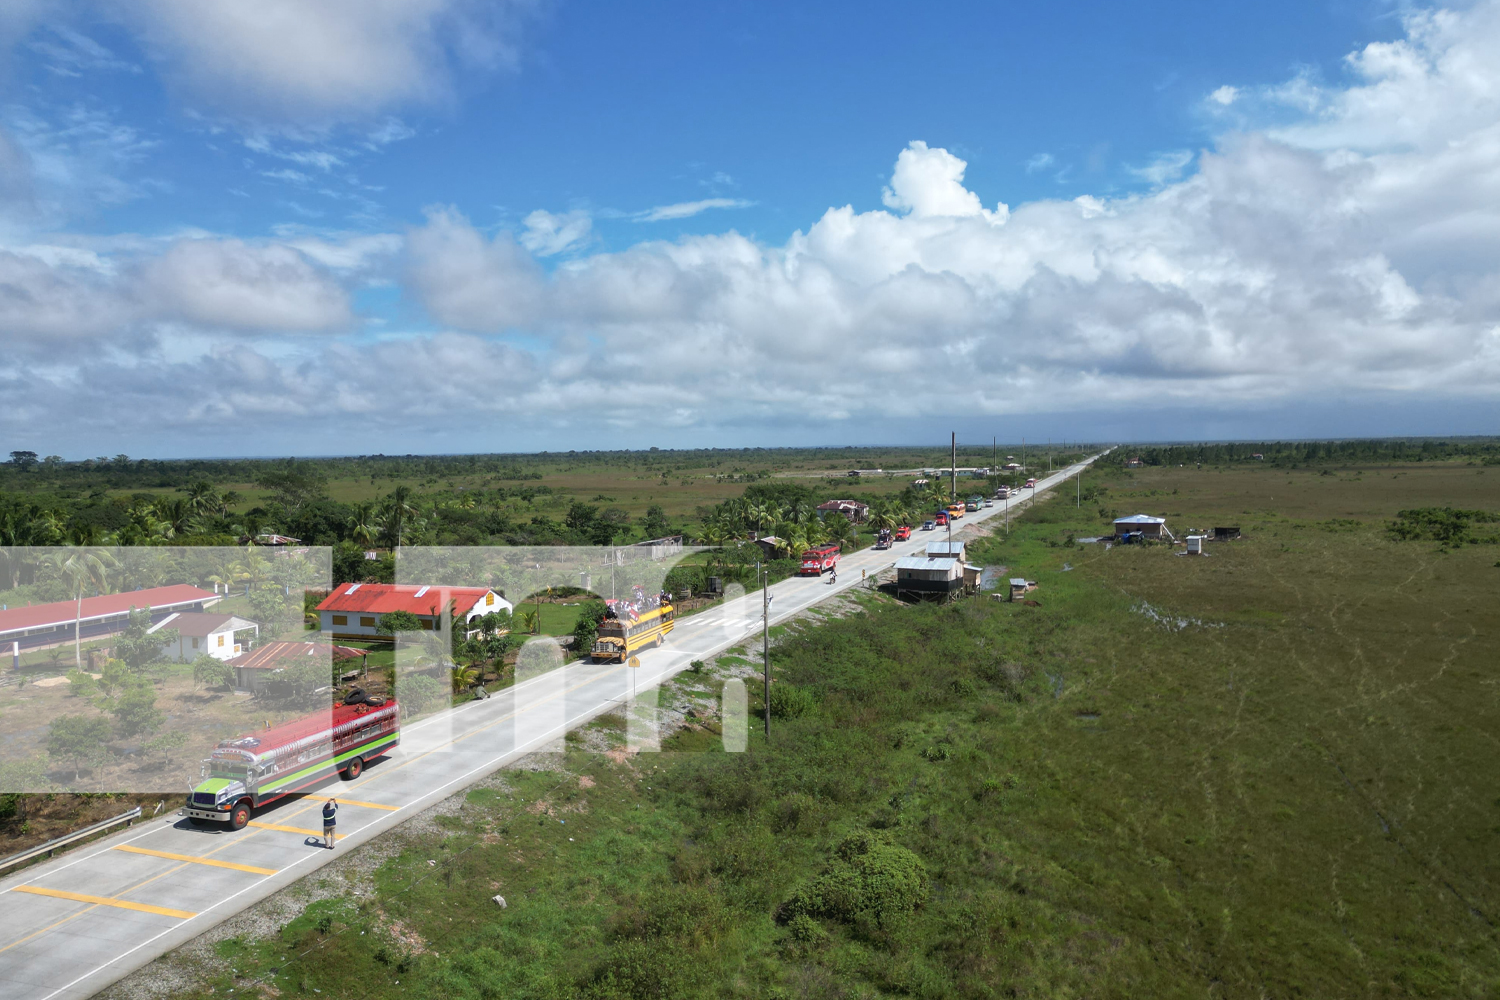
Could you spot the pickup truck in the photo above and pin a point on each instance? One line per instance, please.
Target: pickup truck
(928, 525)
(903, 533)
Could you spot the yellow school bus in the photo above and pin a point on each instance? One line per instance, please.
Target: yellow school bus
(632, 627)
(955, 511)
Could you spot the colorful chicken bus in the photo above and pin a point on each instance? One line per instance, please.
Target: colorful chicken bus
(243, 774)
(820, 559)
(630, 626)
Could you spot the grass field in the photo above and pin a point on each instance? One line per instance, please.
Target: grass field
(1268, 772)
(631, 482)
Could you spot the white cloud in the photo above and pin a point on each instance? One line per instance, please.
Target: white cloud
(929, 182)
(1343, 247)
(1164, 167)
(468, 281)
(1041, 161)
(687, 209)
(547, 234)
(1286, 267)
(1224, 96)
(229, 284)
(291, 62)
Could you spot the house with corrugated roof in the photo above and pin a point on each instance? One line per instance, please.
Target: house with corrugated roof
(199, 633)
(40, 625)
(926, 576)
(853, 510)
(1144, 526)
(353, 610)
(253, 669)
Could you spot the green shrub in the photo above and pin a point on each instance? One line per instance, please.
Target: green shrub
(420, 692)
(789, 702)
(939, 751)
(869, 875)
(81, 685)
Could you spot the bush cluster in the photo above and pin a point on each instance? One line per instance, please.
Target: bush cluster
(791, 702)
(869, 875)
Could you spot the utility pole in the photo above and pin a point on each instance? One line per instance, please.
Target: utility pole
(765, 639)
(955, 465)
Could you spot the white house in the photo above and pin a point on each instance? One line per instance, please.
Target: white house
(353, 610)
(199, 633)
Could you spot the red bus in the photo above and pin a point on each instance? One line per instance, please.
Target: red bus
(245, 773)
(817, 561)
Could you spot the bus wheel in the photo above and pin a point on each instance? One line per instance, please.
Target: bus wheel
(353, 769)
(239, 816)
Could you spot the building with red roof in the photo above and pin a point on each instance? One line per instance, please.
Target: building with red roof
(40, 625)
(353, 610)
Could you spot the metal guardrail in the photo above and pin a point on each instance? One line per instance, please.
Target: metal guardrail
(52, 845)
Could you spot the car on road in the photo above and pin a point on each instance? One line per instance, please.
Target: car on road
(903, 533)
(928, 525)
(989, 503)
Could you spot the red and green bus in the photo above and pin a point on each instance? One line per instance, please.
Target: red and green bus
(820, 559)
(245, 773)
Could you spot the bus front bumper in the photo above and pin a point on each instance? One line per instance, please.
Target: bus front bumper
(213, 815)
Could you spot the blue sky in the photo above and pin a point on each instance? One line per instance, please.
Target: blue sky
(562, 223)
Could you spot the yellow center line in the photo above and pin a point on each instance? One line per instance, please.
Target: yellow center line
(106, 901)
(123, 904)
(367, 805)
(195, 859)
(286, 829)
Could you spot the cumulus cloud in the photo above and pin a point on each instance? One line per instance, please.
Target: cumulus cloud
(929, 182)
(468, 281)
(1346, 248)
(228, 284)
(1287, 267)
(55, 298)
(287, 61)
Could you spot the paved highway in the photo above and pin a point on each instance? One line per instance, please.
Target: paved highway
(73, 925)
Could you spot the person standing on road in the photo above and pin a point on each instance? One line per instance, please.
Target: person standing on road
(330, 810)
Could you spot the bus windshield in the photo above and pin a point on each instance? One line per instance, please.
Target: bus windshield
(226, 769)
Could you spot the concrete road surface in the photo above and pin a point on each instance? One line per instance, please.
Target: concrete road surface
(72, 926)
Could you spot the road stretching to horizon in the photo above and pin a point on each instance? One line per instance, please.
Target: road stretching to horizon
(76, 924)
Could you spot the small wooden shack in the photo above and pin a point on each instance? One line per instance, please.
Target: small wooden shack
(1146, 526)
(946, 550)
(929, 577)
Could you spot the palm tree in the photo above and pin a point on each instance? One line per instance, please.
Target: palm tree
(399, 509)
(464, 677)
(176, 513)
(203, 499)
(364, 524)
(530, 620)
(82, 567)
